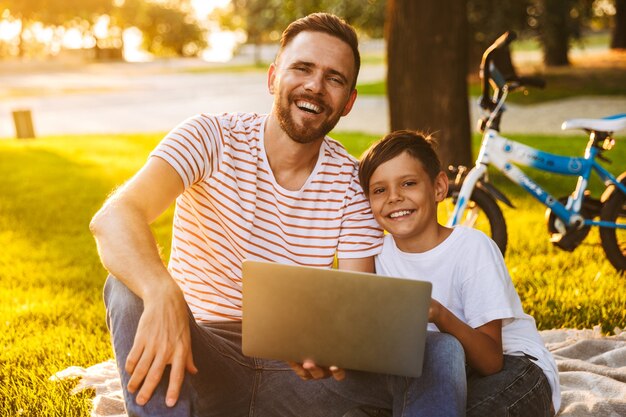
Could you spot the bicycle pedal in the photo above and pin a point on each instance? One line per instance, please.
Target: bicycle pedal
(570, 240)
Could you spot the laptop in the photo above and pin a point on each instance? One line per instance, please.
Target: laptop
(353, 320)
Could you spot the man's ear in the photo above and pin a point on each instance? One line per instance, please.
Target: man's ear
(271, 76)
(350, 103)
(441, 187)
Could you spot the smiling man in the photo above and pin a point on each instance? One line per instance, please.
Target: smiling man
(247, 186)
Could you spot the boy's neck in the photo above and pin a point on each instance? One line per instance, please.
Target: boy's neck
(425, 241)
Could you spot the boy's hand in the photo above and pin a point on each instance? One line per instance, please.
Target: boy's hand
(434, 311)
(309, 370)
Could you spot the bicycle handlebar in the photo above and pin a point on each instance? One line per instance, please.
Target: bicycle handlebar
(496, 67)
(532, 82)
(485, 70)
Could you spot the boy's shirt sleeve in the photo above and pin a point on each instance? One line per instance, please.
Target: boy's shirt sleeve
(487, 290)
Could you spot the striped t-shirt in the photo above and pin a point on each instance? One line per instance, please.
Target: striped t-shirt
(233, 209)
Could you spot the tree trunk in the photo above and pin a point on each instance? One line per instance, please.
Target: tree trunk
(555, 32)
(426, 74)
(618, 37)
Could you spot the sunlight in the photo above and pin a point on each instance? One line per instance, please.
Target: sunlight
(9, 29)
(132, 46)
(204, 7)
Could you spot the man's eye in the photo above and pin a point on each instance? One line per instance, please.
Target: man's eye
(336, 80)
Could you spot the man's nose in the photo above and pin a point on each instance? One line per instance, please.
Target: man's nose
(314, 83)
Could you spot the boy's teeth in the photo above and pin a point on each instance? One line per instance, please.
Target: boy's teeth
(308, 106)
(399, 214)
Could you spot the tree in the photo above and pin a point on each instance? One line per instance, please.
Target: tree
(618, 35)
(426, 75)
(168, 30)
(489, 19)
(264, 20)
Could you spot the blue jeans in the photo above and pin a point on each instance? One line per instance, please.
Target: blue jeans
(520, 389)
(231, 384)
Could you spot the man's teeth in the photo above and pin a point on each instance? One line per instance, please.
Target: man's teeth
(399, 213)
(309, 106)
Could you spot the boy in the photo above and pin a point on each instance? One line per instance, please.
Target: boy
(509, 370)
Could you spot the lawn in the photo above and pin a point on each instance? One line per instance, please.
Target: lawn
(51, 279)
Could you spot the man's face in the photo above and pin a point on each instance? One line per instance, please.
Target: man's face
(312, 85)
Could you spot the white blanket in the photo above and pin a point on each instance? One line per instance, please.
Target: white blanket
(592, 371)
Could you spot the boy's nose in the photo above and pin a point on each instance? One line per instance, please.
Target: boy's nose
(394, 195)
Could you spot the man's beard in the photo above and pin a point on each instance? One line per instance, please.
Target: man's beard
(301, 133)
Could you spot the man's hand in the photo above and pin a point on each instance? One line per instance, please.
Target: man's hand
(309, 370)
(163, 338)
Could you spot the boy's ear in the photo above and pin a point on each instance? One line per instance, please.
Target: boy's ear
(441, 187)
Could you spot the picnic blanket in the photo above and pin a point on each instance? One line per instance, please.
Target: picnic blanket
(592, 371)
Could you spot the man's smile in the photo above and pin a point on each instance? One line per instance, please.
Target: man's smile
(308, 106)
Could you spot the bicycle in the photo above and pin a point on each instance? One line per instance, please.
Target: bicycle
(569, 218)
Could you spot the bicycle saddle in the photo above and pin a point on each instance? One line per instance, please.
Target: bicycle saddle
(606, 124)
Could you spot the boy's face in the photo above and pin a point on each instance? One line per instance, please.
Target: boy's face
(404, 202)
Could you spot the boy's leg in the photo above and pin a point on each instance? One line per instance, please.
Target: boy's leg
(224, 380)
(440, 391)
(519, 389)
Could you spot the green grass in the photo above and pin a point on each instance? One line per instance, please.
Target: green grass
(51, 311)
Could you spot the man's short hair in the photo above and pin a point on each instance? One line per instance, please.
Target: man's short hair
(325, 23)
(416, 144)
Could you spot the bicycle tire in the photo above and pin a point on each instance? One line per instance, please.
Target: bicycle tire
(614, 240)
(481, 206)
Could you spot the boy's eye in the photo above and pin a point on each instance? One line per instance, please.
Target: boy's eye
(378, 190)
(409, 183)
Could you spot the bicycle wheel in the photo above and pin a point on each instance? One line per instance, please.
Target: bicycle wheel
(482, 213)
(614, 240)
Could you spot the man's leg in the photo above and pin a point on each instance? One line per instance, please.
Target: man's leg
(440, 391)
(224, 379)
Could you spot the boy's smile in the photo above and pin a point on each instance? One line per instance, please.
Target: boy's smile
(404, 202)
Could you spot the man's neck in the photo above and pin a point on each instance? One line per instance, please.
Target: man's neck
(291, 162)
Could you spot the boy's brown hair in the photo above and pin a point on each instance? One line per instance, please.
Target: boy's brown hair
(329, 24)
(416, 144)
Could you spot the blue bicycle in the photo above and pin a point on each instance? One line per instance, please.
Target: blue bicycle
(569, 218)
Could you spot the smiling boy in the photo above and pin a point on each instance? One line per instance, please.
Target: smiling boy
(510, 371)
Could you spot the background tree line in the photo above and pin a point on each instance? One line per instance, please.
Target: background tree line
(169, 27)
(557, 23)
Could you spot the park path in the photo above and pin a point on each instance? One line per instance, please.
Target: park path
(155, 97)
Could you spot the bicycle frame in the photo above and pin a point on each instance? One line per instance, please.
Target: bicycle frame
(503, 153)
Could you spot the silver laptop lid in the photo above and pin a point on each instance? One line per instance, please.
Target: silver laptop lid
(353, 320)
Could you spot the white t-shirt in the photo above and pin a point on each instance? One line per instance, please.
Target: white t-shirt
(470, 278)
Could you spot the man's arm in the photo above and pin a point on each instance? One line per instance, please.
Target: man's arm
(358, 264)
(128, 251)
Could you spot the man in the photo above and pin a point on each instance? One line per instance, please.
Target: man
(270, 187)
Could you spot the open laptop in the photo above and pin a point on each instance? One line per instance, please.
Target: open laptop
(354, 320)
